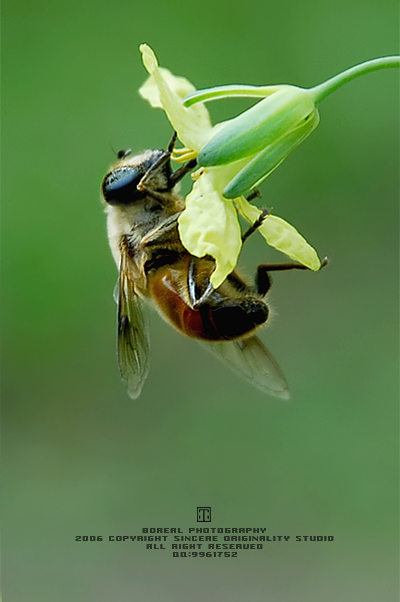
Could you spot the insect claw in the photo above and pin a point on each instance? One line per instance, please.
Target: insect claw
(204, 296)
(324, 262)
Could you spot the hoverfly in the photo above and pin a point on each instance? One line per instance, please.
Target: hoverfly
(143, 207)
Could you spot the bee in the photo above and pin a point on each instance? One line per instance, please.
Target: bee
(140, 193)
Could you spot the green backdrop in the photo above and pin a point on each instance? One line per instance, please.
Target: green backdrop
(81, 458)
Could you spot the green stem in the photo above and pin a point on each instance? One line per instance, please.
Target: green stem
(323, 90)
(318, 92)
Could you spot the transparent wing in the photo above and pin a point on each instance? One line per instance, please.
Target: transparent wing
(133, 342)
(251, 360)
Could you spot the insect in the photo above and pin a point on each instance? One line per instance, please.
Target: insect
(143, 206)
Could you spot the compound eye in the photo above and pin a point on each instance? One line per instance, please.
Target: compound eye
(120, 186)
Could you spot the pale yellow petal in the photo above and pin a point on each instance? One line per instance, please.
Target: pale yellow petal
(165, 90)
(249, 211)
(209, 226)
(282, 236)
(150, 92)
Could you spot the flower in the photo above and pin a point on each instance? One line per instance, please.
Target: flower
(267, 132)
(209, 224)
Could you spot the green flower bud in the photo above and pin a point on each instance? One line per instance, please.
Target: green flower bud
(271, 119)
(264, 163)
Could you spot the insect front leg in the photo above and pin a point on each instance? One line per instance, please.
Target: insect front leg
(155, 236)
(172, 178)
(172, 143)
(163, 165)
(180, 173)
(177, 175)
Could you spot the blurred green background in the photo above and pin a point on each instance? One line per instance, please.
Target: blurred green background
(81, 458)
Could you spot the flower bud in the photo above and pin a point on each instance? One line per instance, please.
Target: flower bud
(271, 119)
(266, 161)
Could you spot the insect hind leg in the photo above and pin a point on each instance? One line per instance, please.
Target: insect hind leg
(263, 280)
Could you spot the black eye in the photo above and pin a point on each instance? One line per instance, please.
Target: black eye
(120, 186)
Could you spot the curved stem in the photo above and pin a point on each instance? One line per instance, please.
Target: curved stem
(323, 90)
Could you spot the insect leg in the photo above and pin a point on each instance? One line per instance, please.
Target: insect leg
(255, 193)
(177, 175)
(195, 300)
(259, 221)
(173, 177)
(263, 281)
(180, 173)
(172, 143)
(154, 236)
(161, 161)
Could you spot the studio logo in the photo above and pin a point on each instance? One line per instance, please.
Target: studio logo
(204, 514)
